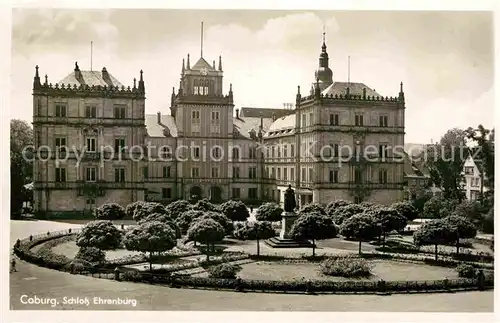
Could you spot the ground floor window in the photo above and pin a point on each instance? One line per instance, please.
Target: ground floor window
(236, 192)
(166, 192)
(252, 193)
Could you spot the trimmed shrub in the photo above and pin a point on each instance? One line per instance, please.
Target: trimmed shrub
(185, 220)
(147, 209)
(227, 271)
(110, 211)
(165, 219)
(406, 209)
(132, 207)
(234, 210)
(269, 212)
(342, 213)
(466, 271)
(176, 208)
(101, 234)
(312, 208)
(221, 219)
(205, 206)
(332, 206)
(254, 230)
(91, 254)
(348, 266)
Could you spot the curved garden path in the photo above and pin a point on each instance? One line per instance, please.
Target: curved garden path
(33, 280)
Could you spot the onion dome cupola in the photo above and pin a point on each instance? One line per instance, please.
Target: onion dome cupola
(324, 74)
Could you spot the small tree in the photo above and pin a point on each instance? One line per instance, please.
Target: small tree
(388, 219)
(470, 210)
(176, 208)
(438, 207)
(313, 226)
(163, 218)
(110, 211)
(234, 210)
(255, 231)
(132, 207)
(221, 219)
(332, 206)
(205, 206)
(150, 237)
(460, 228)
(432, 233)
(360, 227)
(206, 230)
(406, 209)
(185, 220)
(147, 209)
(269, 212)
(100, 234)
(341, 213)
(312, 208)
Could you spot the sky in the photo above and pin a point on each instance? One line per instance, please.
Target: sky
(444, 59)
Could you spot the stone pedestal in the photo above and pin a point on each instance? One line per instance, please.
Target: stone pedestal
(285, 240)
(287, 221)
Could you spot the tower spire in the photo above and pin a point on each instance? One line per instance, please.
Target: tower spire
(202, 39)
(220, 63)
(188, 64)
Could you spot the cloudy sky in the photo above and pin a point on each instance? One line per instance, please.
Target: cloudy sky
(445, 59)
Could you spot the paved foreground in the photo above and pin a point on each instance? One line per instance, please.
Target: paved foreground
(78, 292)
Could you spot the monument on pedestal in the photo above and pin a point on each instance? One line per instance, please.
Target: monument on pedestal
(287, 220)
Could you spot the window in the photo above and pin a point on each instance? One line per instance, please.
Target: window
(195, 172)
(200, 87)
(119, 112)
(90, 201)
(334, 119)
(60, 145)
(91, 144)
(252, 193)
(358, 199)
(335, 149)
(236, 172)
(215, 172)
(292, 174)
(60, 110)
(278, 149)
(334, 176)
(311, 175)
(382, 121)
(285, 173)
(358, 120)
(120, 175)
(236, 192)
(196, 152)
(236, 153)
(216, 152)
(382, 176)
(166, 192)
(272, 151)
(279, 173)
(469, 170)
(357, 176)
(304, 119)
(303, 175)
(292, 150)
(60, 175)
(119, 144)
(382, 151)
(285, 150)
(311, 120)
(195, 116)
(145, 171)
(90, 111)
(91, 174)
(165, 152)
(273, 172)
(166, 171)
(215, 115)
(252, 172)
(252, 152)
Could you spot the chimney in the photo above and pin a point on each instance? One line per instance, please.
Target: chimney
(78, 74)
(105, 76)
(159, 117)
(237, 113)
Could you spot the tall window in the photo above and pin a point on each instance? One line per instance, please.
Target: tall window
(236, 172)
(60, 145)
(303, 178)
(292, 150)
(292, 174)
(252, 172)
(236, 153)
(311, 120)
(285, 174)
(195, 114)
(60, 175)
(215, 172)
(334, 119)
(273, 172)
(304, 119)
(334, 176)
(90, 111)
(166, 171)
(357, 176)
(195, 172)
(358, 120)
(91, 144)
(285, 150)
(119, 144)
(215, 115)
(120, 174)
(119, 112)
(60, 110)
(251, 152)
(216, 152)
(91, 174)
(166, 193)
(382, 121)
(311, 175)
(382, 151)
(236, 192)
(145, 171)
(279, 173)
(252, 193)
(382, 176)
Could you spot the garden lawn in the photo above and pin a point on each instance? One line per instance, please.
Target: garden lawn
(69, 249)
(382, 269)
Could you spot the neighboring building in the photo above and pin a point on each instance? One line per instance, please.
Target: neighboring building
(86, 109)
(473, 183)
(416, 180)
(335, 119)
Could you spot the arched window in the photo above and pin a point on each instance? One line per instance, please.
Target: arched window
(195, 87)
(205, 87)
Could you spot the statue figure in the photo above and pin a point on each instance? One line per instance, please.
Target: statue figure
(290, 203)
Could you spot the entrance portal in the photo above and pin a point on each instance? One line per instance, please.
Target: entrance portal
(215, 194)
(195, 193)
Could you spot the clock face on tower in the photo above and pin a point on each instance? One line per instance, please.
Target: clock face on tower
(204, 71)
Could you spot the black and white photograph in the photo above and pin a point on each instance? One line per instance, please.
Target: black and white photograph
(251, 160)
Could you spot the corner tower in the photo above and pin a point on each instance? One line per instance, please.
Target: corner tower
(323, 74)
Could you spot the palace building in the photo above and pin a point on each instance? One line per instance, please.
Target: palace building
(96, 144)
